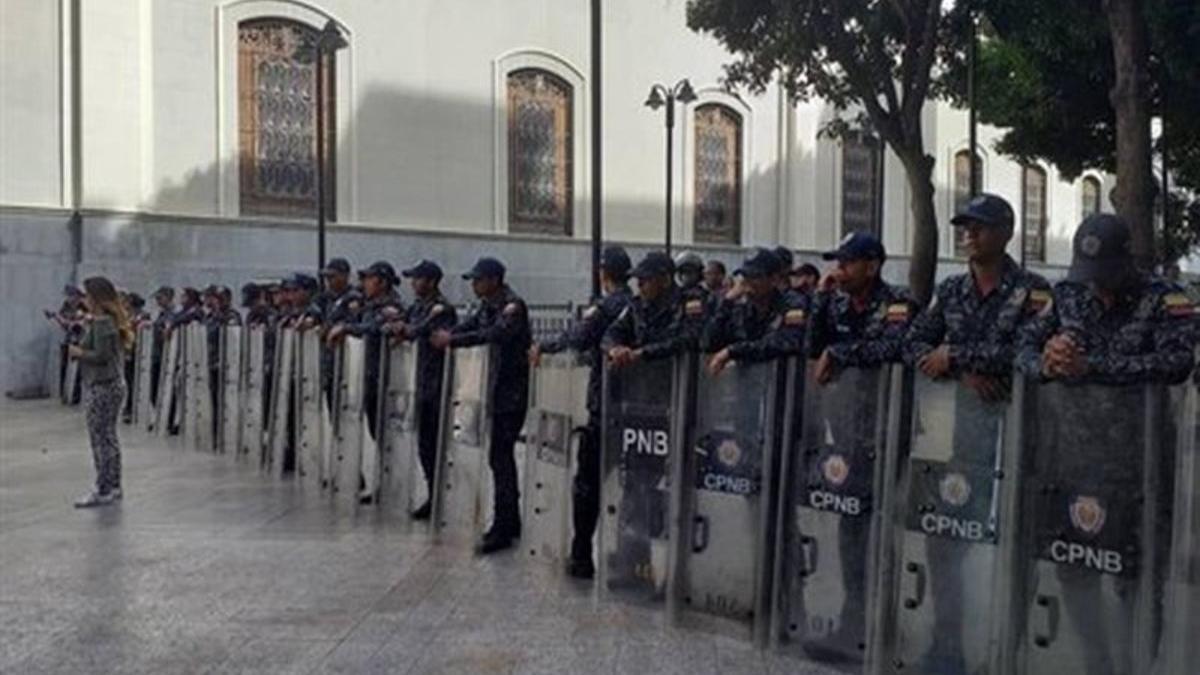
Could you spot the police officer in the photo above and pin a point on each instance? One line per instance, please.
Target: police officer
(297, 293)
(762, 323)
(382, 305)
(220, 314)
(650, 327)
(260, 313)
(1110, 324)
(698, 302)
(585, 336)
(339, 303)
(429, 312)
(858, 321)
(191, 309)
(969, 333)
(164, 298)
(501, 320)
(715, 279)
(337, 284)
(804, 278)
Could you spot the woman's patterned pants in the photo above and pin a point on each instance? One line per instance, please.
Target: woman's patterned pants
(104, 401)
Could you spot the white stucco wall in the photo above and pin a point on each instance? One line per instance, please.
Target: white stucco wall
(30, 87)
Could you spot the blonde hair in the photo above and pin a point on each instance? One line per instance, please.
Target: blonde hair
(104, 299)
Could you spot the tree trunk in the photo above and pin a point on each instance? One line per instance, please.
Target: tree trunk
(1130, 97)
(922, 272)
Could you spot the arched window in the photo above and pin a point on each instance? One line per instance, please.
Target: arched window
(277, 119)
(862, 184)
(718, 174)
(1033, 212)
(963, 189)
(540, 153)
(1090, 196)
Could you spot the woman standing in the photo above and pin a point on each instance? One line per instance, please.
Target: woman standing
(108, 336)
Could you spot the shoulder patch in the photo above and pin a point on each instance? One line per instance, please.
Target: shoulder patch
(1178, 304)
(897, 312)
(694, 307)
(794, 317)
(1039, 299)
(512, 309)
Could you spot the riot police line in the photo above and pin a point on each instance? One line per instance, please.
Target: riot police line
(884, 521)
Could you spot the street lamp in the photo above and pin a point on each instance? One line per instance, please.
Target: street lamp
(326, 43)
(660, 96)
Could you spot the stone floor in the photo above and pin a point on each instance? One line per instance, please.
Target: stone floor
(209, 566)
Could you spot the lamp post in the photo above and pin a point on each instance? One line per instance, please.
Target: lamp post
(660, 96)
(327, 43)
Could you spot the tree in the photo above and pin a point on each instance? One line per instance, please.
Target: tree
(1076, 82)
(873, 57)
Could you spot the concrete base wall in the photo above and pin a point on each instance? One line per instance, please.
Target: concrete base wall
(142, 251)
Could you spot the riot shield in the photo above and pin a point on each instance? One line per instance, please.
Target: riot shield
(458, 506)
(835, 516)
(143, 408)
(724, 567)
(1088, 591)
(279, 458)
(253, 403)
(636, 480)
(70, 382)
(171, 379)
(347, 464)
(401, 485)
(309, 416)
(230, 390)
(950, 508)
(558, 415)
(1182, 625)
(198, 423)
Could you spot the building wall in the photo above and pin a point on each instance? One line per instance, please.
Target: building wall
(30, 89)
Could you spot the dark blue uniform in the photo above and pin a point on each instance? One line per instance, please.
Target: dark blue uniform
(424, 317)
(753, 333)
(368, 325)
(655, 328)
(861, 335)
(503, 322)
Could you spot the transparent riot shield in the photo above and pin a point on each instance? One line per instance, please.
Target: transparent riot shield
(309, 416)
(402, 487)
(279, 457)
(835, 517)
(198, 423)
(143, 411)
(724, 569)
(230, 391)
(1182, 624)
(70, 382)
(636, 480)
(950, 507)
(557, 417)
(458, 506)
(171, 380)
(1089, 588)
(347, 464)
(253, 394)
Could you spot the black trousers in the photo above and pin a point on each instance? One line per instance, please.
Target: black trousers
(427, 438)
(586, 490)
(506, 496)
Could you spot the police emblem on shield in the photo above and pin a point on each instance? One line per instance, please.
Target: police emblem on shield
(728, 453)
(1087, 514)
(955, 489)
(835, 469)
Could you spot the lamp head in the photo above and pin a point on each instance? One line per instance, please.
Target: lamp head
(655, 100)
(686, 94)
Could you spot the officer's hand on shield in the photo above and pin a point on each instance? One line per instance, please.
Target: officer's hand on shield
(307, 323)
(620, 356)
(74, 351)
(1059, 355)
(335, 334)
(717, 362)
(936, 363)
(440, 339)
(535, 355)
(825, 369)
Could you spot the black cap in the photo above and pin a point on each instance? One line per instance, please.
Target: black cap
(382, 269)
(299, 280)
(655, 263)
(165, 290)
(250, 293)
(786, 259)
(806, 270)
(336, 266)
(616, 260)
(986, 209)
(211, 289)
(1101, 250)
(190, 292)
(486, 268)
(762, 263)
(858, 246)
(426, 269)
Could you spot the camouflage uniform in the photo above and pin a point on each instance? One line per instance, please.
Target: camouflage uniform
(861, 337)
(758, 334)
(655, 328)
(368, 325)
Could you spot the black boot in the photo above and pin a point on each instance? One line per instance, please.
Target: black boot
(423, 512)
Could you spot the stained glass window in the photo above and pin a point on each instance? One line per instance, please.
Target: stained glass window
(1033, 207)
(540, 153)
(277, 120)
(1090, 194)
(963, 190)
(718, 174)
(862, 185)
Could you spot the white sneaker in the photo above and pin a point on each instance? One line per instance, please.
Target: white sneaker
(93, 499)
